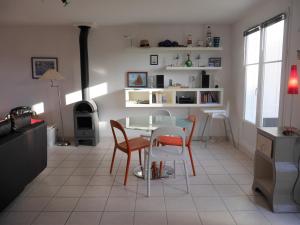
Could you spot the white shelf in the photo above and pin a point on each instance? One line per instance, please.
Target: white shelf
(192, 68)
(135, 95)
(185, 49)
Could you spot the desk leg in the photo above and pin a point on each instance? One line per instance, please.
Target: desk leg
(231, 133)
(202, 135)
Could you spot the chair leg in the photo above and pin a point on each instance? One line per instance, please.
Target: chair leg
(192, 161)
(113, 160)
(160, 168)
(140, 157)
(174, 162)
(148, 175)
(186, 177)
(127, 168)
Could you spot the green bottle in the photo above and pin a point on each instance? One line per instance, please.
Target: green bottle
(188, 62)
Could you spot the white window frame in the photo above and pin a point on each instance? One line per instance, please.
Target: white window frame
(261, 64)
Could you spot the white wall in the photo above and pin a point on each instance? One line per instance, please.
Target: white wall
(245, 132)
(109, 62)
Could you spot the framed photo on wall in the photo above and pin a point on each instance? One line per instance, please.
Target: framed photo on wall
(40, 65)
(153, 59)
(137, 79)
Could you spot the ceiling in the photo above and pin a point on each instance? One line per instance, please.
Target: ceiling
(118, 12)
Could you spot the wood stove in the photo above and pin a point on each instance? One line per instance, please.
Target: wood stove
(86, 123)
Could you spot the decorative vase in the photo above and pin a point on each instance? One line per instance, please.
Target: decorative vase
(188, 62)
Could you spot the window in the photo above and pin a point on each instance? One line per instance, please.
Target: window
(252, 46)
(263, 64)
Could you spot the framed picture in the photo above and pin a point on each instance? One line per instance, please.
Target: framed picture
(41, 64)
(214, 62)
(153, 59)
(137, 79)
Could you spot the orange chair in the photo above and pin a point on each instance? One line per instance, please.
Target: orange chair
(127, 146)
(170, 140)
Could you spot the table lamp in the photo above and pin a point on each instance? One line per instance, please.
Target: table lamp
(293, 89)
(53, 75)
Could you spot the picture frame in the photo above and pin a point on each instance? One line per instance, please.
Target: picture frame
(214, 62)
(40, 65)
(153, 59)
(137, 79)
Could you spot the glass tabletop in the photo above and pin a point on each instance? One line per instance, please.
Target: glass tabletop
(150, 123)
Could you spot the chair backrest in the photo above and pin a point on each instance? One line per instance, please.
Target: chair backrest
(167, 131)
(115, 125)
(191, 118)
(161, 112)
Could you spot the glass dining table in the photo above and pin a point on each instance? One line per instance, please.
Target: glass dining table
(149, 124)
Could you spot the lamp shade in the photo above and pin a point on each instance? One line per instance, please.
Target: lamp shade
(293, 84)
(52, 74)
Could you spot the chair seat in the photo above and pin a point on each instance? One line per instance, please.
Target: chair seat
(170, 140)
(135, 143)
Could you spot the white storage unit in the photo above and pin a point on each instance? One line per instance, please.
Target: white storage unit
(173, 97)
(276, 169)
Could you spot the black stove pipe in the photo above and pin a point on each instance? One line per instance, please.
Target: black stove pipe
(84, 60)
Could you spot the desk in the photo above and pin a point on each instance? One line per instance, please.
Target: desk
(150, 123)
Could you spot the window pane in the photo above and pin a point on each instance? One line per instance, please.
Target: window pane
(252, 48)
(251, 93)
(271, 94)
(274, 41)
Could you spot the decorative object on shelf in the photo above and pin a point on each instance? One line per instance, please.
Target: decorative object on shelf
(129, 37)
(168, 43)
(205, 79)
(188, 62)
(53, 75)
(293, 89)
(209, 42)
(153, 59)
(192, 82)
(40, 65)
(216, 42)
(144, 44)
(177, 57)
(137, 79)
(200, 43)
(160, 81)
(198, 57)
(190, 40)
(151, 81)
(65, 2)
(170, 82)
(214, 61)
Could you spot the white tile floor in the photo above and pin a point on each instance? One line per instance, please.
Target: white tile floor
(76, 188)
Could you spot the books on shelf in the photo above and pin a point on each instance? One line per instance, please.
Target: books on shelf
(159, 98)
(209, 97)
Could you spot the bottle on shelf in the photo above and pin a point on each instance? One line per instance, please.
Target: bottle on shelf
(209, 40)
(188, 62)
(190, 41)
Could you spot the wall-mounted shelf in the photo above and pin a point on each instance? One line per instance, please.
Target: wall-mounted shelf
(192, 68)
(173, 97)
(185, 49)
